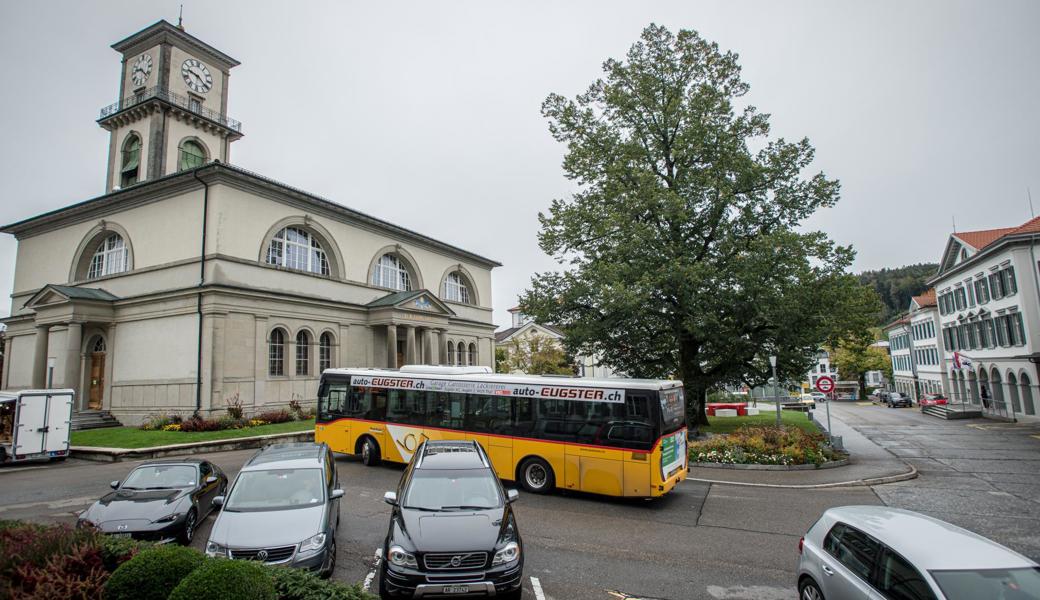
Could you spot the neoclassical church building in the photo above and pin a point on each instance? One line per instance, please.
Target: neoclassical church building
(191, 280)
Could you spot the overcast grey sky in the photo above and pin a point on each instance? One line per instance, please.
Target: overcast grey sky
(426, 113)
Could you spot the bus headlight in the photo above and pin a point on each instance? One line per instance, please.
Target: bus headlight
(507, 554)
(397, 556)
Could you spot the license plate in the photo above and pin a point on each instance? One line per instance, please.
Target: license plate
(455, 589)
(126, 535)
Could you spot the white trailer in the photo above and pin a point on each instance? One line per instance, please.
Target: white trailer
(35, 424)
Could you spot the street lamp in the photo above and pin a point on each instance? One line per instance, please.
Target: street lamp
(776, 398)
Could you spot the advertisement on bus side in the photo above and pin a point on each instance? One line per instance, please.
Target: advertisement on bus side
(519, 390)
(673, 452)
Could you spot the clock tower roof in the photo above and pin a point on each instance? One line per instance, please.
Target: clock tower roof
(165, 32)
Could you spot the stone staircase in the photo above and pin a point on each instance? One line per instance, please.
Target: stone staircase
(93, 419)
(949, 413)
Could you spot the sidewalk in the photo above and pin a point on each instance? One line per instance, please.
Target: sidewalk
(100, 454)
(869, 464)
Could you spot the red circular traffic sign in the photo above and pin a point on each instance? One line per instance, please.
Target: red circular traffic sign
(825, 384)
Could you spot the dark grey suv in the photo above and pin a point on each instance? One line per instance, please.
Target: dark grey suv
(283, 508)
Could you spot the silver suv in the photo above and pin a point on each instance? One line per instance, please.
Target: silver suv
(283, 508)
(885, 553)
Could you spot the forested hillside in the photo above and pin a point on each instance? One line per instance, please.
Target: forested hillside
(897, 286)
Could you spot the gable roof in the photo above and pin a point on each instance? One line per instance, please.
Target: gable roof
(507, 334)
(413, 298)
(980, 239)
(926, 299)
(70, 293)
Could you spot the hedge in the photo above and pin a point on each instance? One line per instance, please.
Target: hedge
(226, 580)
(152, 574)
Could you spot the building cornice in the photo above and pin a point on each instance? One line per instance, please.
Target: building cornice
(163, 32)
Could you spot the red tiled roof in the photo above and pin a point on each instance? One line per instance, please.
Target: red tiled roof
(985, 237)
(926, 299)
(1030, 226)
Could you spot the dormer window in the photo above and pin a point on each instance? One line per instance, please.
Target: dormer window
(129, 172)
(109, 258)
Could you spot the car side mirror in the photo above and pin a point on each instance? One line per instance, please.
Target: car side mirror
(218, 501)
(211, 479)
(512, 496)
(115, 484)
(390, 498)
(337, 493)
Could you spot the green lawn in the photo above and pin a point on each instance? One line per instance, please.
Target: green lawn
(787, 417)
(132, 437)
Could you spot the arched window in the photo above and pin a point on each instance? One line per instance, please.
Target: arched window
(461, 355)
(455, 288)
(109, 258)
(390, 272)
(451, 354)
(295, 248)
(325, 352)
(303, 353)
(276, 354)
(472, 354)
(130, 166)
(98, 346)
(192, 155)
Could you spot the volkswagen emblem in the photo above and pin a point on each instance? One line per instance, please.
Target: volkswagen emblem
(122, 527)
(261, 555)
(456, 561)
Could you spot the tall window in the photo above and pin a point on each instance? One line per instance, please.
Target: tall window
(325, 351)
(390, 272)
(461, 354)
(131, 163)
(276, 354)
(303, 353)
(472, 354)
(451, 353)
(192, 155)
(109, 258)
(455, 288)
(295, 248)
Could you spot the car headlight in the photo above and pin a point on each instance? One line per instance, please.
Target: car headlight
(215, 550)
(170, 518)
(399, 557)
(507, 554)
(312, 544)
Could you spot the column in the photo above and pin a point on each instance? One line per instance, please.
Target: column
(428, 346)
(217, 393)
(442, 346)
(391, 346)
(409, 345)
(73, 341)
(339, 349)
(39, 372)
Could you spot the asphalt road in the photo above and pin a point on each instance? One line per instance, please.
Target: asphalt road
(701, 541)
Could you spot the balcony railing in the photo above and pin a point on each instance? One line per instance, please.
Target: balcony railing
(162, 93)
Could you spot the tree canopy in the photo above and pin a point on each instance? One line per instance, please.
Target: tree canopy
(681, 251)
(534, 355)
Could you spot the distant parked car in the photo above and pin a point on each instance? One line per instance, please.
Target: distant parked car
(895, 400)
(159, 501)
(877, 552)
(819, 396)
(933, 400)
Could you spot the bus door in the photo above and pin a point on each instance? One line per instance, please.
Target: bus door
(491, 420)
(601, 467)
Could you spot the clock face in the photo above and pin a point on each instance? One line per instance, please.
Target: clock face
(197, 76)
(142, 68)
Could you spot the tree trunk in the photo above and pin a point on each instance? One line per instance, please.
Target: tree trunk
(695, 385)
(862, 386)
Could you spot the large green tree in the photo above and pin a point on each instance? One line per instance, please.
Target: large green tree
(681, 251)
(854, 355)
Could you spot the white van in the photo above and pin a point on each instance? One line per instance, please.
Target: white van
(35, 424)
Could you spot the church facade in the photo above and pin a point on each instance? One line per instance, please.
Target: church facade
(192, 281)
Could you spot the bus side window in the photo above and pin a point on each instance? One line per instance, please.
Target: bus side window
(488, 414)
(406, 407)
(523, 417)
(332, 399)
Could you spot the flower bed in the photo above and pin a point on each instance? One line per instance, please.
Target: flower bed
(765, 446)
(38, 561)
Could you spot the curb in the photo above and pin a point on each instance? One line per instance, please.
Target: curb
(99, 454)
(833, 464)
(911, 474)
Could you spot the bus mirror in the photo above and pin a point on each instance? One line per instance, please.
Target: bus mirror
(390, 498)
(512, 496)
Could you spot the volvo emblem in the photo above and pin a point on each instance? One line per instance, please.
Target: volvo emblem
(261, 555)
(456, 561)
(122, 527)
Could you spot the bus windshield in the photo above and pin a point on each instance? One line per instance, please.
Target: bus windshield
(673, 410)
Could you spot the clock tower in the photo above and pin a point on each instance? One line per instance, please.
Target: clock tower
(172, 112)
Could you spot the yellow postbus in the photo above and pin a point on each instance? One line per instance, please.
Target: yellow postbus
(620, 437)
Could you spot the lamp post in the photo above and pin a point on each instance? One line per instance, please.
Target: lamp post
(776, 398)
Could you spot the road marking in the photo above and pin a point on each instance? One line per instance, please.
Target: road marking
(537, 587)
(372, 572)
(1036, 436)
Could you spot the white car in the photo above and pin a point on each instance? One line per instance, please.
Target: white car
(881, 553)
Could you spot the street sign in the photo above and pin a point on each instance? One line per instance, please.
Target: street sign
(825, 384)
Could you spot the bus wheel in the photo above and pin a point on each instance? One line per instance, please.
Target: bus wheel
(536, 476)
(369, 452)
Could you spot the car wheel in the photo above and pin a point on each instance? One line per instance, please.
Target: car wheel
(808, 590)
(369, 452)
(536, 476)
(332, 561)
(188, 533)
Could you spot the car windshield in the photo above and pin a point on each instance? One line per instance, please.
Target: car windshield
(471, 489)
(158, 477)
(999, 584)
(276, 489)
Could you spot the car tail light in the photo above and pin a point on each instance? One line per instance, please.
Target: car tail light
(801, 542)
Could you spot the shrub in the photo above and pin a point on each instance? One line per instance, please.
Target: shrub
(117, 550)
(296, 409)
(765, 446)
(79, 572)
(234, 406)
(226, 580)
(29, 544)
(200, 424)
(297, 584)
(160, 422)
(229, 422)
(153, 573)
(274, 416)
